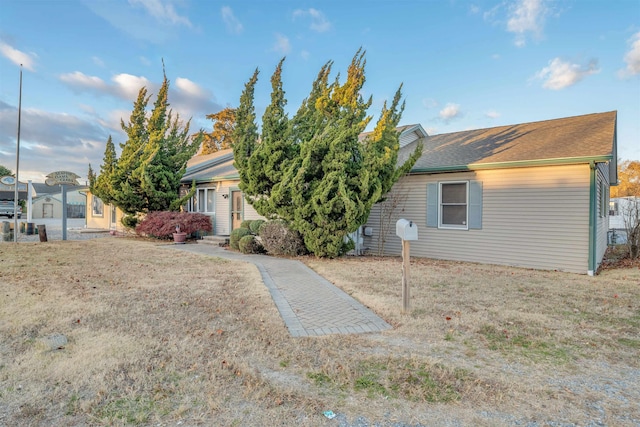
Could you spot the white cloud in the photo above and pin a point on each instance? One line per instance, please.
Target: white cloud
(450, 112)
(495, 56)
(560, 74)
(632, 57)
(144, 60)
(319, 22)
(526, 16)
(305, 54)
(233, 25)
(127, 86)
(492, 114)
(17, 57)
(80, 82)
(64, 140)
(474, 9)
(282, 44)
(163, 11)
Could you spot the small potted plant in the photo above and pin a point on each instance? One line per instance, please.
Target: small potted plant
(179, 236)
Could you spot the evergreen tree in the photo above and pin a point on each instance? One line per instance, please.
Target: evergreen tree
(245, 135)
(147, 175)
(102, 185)
(274, 152)
(313, 170)
(4, 171)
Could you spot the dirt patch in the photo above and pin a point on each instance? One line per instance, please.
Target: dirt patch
(156, 336)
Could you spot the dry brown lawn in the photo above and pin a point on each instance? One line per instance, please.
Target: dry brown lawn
(119, 331)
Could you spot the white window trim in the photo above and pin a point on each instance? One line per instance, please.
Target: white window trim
(452, 226)
(193, 202)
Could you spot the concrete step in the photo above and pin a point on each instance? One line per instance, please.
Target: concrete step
(214, 240)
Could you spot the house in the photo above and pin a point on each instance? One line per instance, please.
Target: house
(531, 195)
(47, 201)
(218, 194)
(621, 210)
(101, 216)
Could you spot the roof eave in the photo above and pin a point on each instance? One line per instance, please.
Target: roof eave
(514, 164)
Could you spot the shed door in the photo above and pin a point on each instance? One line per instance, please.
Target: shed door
(47, 210)
(236, 209)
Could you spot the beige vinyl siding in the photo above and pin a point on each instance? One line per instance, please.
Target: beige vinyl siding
(408, 138)
(534, 217)
(223, 208)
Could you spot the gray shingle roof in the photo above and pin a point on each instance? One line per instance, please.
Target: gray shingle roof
(571, 138)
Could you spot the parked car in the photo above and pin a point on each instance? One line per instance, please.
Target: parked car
(7, 209)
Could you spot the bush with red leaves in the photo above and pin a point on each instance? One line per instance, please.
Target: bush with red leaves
(163, 224)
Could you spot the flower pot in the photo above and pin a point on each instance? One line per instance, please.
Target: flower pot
(179, 238)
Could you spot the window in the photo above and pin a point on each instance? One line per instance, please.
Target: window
(454, 205)
(603, 200)
(613, 208)
(203, 200)
(97, 207)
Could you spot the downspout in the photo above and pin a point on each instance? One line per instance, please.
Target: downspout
(592, 219)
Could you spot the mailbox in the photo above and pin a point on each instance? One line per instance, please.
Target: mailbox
(406, 230)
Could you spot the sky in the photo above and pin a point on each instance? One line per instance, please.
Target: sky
(462, 64)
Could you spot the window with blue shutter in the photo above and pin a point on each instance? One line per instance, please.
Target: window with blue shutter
(454, 204)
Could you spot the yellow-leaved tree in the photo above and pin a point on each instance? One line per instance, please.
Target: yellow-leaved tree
(224, 122)
(628, 179)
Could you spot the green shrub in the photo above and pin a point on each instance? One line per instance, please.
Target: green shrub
(255, 225)
(130, 221)
(246, 224)
(236, 235)
(278, 239)
(250, 245)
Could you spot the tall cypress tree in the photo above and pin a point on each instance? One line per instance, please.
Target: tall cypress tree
(102, 185)
(245, 134)
(326, 179)
(147, 175)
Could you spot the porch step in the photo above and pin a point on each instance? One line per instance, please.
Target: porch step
(214, 240)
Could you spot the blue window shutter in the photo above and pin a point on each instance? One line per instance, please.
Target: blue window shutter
(475, 204)
(432, 205)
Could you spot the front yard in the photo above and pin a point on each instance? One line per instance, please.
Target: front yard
(124, 331)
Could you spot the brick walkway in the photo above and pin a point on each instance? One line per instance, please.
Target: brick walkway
(309, 304)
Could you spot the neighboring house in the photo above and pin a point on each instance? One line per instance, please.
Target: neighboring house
(47, 202)
(531, 195)
(619, 209)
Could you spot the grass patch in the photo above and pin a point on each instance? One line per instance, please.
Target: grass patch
(131, 410)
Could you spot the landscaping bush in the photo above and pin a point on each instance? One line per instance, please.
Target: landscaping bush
(130, 221)
(250, 245)
(246, 224)
(163, 224)
(278, 239)
(255, 225)
(236, 235)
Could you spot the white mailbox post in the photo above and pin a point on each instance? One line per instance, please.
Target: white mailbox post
(407, 231)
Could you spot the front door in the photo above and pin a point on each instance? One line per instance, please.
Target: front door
(236, 209)
(113, 220)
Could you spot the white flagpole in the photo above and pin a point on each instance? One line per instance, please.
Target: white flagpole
(15, 198)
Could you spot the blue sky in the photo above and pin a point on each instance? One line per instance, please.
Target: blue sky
(464, 64)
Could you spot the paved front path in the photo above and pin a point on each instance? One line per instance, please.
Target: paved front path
(309, 304)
